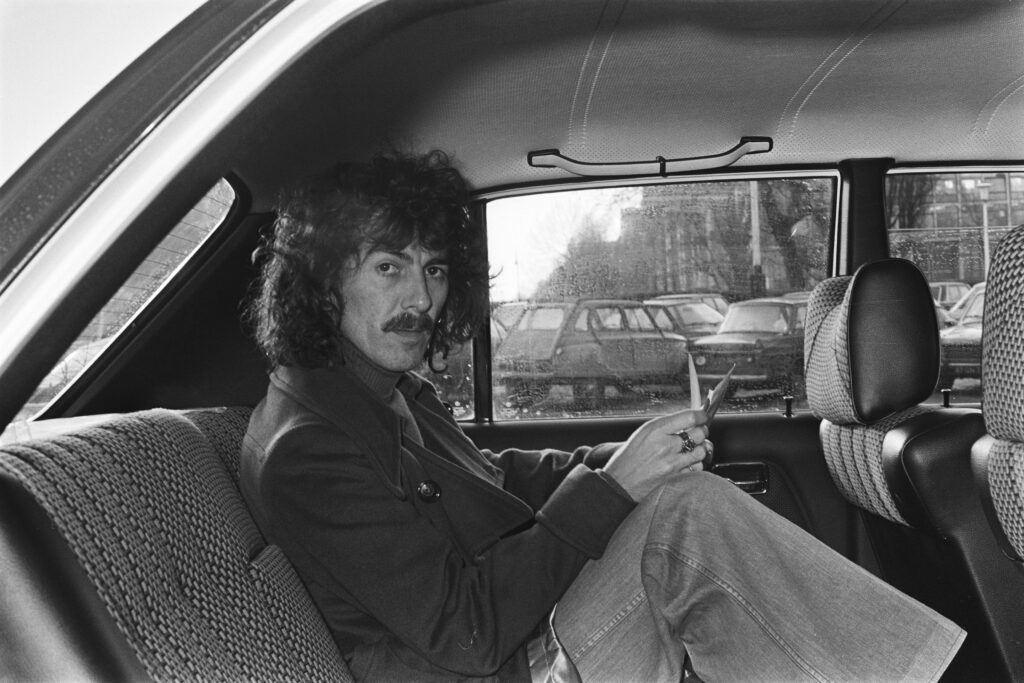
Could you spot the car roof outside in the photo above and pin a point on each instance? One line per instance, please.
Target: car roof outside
(778, 300)
(682, 296)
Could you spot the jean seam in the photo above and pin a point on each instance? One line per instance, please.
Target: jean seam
(758, 618)
(638, 599)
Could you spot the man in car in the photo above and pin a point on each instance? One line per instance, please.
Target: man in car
(432, 560)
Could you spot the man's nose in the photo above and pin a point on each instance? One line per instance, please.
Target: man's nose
(417, 295)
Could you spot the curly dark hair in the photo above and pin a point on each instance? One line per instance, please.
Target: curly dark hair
(388, 203)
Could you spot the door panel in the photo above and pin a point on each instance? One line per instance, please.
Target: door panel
(799, 486)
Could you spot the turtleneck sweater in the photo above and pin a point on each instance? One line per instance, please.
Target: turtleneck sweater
(382, 383)
(388, 385)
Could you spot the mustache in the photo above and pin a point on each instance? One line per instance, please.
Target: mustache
(409, 322)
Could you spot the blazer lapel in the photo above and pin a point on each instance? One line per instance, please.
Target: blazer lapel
(340, 398)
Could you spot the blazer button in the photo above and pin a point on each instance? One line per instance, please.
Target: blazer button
(429, 491)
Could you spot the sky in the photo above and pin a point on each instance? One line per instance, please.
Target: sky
(550, 221)
(56, 54)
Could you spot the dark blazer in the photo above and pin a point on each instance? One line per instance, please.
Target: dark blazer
(421, 568)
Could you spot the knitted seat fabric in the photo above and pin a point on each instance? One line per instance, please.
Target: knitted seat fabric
(156, 520)
(1002, 381)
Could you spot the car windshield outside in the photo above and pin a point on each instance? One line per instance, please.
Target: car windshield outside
(771, 318)
(691, 319)
(946, 294)
(958, 309)
(975, 312)
(697, 314)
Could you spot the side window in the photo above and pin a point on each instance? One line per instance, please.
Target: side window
(724, 242)
(581, 321)
(151, 275)
(661, 318)
(610, 319)
(639, 320)
(949, 224)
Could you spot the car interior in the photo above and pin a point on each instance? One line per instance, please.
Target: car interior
(843, 155)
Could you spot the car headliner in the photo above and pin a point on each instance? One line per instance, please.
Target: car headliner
(619, 81)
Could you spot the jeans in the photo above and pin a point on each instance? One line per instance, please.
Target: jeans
(702, 569)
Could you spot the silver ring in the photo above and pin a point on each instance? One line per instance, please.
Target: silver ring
(688, 443)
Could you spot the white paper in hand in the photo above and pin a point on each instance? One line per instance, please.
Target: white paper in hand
(714, 397)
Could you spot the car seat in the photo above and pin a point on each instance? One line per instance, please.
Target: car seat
(127, 553)
(999, 456)
(871, 355)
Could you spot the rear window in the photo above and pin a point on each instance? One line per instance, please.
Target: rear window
(542, 319)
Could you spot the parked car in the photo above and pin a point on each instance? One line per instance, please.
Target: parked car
(712, 299)
(589, 345)
(946, 294)
(689, 319)
(957, 311)
(763, 339)
(961, 344)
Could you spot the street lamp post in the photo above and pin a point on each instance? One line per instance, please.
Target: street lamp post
(983, 194)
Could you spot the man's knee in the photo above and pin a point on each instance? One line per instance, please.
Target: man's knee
(702, 494)
(701, 487)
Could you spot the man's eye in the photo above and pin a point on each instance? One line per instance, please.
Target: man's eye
(386, 268)
(437, 271)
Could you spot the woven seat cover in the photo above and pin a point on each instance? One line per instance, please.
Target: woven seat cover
(154, 516)
(852, 446)
(1002, 381)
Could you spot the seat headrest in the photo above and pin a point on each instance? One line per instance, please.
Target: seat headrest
(871, 346)
(1002, 340)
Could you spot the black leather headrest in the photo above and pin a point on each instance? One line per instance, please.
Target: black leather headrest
(872, 343)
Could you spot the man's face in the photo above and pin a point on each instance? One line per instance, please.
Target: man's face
(391, 302)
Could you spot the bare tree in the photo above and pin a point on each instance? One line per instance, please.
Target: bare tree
(906, 196)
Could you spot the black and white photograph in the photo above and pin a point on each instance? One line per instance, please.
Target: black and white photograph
(552, 341)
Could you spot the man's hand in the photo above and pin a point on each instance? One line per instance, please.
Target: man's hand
(657, 450)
